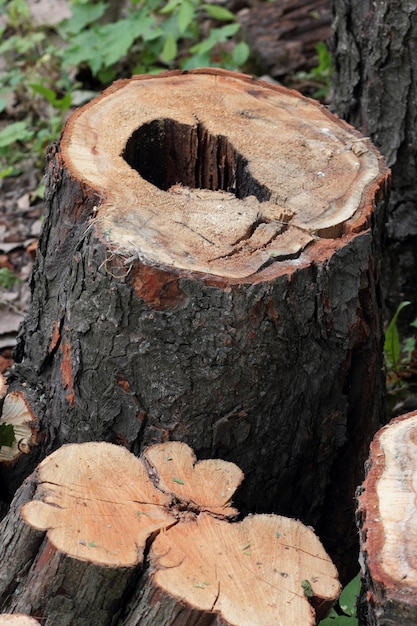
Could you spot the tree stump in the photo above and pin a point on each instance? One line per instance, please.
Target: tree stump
(388, 528)
(208, 272)
(154, 543)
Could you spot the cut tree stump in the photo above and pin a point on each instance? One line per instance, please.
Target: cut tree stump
(208, 271)
(387, 520)
(103, 535)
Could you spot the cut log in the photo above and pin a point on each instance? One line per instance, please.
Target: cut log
(387, 520)
(16, 413)
(208, 272)
(154, 543)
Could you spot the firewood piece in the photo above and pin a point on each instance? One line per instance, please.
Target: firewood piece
(17, 413)
(387, 519)
(209, 484)
(115, 535)
(262, 571)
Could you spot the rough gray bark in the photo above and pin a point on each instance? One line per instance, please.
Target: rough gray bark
(375, 89)
(280, 372)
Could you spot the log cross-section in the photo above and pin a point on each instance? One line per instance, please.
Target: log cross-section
(154, 541)
(236, 175)
(387, 519)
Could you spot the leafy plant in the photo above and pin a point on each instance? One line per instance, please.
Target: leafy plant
(7, 437)
(392, 345)
(320, 76)
(345, 612)
(7, 278)
(46, 66)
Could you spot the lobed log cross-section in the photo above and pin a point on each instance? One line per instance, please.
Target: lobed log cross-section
(153, 541)
(208, 272)
(387, 521)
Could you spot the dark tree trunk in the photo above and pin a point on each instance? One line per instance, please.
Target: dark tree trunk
(208, 272)
(387, 525)
(375, 89)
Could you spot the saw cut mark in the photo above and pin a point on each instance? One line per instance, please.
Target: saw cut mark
(166, 153)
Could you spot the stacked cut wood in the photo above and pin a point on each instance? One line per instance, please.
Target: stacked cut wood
(96, 534)
(387, 520)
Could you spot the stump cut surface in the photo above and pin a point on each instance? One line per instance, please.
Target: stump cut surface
(217, 173)
(388, 507)
(101, 505)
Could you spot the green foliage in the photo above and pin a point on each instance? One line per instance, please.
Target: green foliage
(345, 612)
(401, 362)
(320, 76)
(43, 63)
(7, 278)
(7, 437)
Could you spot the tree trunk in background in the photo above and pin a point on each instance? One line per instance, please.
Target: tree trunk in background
(208, 272)
(375, 90)
(387, 521)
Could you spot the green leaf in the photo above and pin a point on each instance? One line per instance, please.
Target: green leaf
(171, 6)
(169, 51)
(185, 16)
(46, 92)
(219, 13)
(217, 35)
(17, 131)
(348, 597)
(392, 346)
(82, 16)
(307, 588)
(7, 278)
(339, 620)
(7, 437)
(240, 53)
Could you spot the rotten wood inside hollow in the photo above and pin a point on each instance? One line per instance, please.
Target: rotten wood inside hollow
(164, 528)
(387, 515)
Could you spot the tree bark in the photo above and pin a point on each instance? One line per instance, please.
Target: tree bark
(154, 543)
(208, 272)
(387, 524)
(375, 89)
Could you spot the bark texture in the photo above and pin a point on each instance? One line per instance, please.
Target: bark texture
(387, 524)
(274, 359)
(154, 543)
(375, 89)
